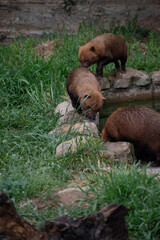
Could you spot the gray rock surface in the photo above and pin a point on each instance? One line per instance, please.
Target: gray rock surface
(35, 17)
(64, 108)
(70, 195)
(72, 117)
(118, 150)
(133, 85)
(104, 82)
(154, 170)
(155, 78)
(85, 128)
(69, 146)
(132, 77)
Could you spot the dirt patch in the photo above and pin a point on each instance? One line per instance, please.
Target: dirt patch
(45, 49)
(70, 195)
(41, 203)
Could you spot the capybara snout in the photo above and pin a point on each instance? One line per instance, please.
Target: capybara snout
(91, 115)
(85, 64)
(84, 91)
(139, 125)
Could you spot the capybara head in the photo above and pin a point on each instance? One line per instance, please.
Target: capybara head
(87, 55)
(91, 103)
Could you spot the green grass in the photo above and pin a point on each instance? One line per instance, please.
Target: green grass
(132, 187)
(30, 89)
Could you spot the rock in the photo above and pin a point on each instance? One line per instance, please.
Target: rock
(131, 77)
(70, 195)
(122, 80)
(140, 79)
(64, 108)
(85, 128)
(69, 114)
(118, 150)
(155, 78)
(69, 146)
(71, 117)
(104, 82)
(133, 85)
(154, 170)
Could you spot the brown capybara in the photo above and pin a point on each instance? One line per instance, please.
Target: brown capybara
(139, 125)
(84, 91)
(102, 50)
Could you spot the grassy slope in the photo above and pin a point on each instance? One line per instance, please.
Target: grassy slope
(30, 88)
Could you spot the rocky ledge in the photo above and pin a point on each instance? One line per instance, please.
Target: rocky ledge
(133, 85)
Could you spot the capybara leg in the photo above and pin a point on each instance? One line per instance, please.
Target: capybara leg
(102, 62)
(117, 65)
(123, 64)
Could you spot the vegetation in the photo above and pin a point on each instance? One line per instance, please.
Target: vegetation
(30, 88)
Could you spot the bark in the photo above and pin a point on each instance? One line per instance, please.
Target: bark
(106, 224)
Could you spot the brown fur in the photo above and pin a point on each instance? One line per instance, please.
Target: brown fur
(102, 50)
(83, 88)
(139, 125)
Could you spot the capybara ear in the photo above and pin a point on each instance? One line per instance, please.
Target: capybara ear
(92, 49)
(104, 98)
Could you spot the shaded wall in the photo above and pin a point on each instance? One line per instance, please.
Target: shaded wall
(36, 16)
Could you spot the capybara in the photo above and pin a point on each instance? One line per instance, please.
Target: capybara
(104, 49)
(84, 91)
(139, 125)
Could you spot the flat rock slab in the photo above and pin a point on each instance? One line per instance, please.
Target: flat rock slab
(155, 78)
(69, 114)
(72, 194)
(104, 82)
(133, 85)
(69, 146)
(118, 150)
(154, 170)
(132, 77)
(85, 128)
(71, 117)
(64, 108)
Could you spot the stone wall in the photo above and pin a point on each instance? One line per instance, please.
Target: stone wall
(37, 16)
(131, 86)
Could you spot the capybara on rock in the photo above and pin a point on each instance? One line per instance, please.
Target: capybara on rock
(102, 50)
(139, 125)
(84, 91)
